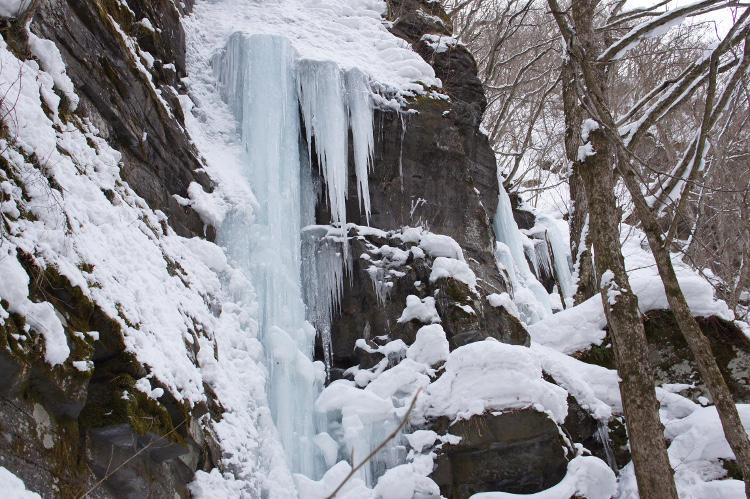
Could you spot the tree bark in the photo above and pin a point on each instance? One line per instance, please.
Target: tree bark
(580, 243)
(640, 406)
(696, 340)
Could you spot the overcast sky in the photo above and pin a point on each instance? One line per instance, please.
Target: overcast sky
(722, 18)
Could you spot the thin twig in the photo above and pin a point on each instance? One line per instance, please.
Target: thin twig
(146, 447)
(379, 447)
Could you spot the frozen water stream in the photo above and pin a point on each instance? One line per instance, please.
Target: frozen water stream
(272, 94)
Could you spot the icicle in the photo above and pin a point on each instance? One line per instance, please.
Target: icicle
(323, 281)
(321, 97)
(602, 434)
(543, 262)
(401, 152)
(560, 255)
(360, 118)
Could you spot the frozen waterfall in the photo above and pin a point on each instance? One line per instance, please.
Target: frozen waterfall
(272, 94)
(529, 295)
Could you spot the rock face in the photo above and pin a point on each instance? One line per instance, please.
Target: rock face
(673, 361)
(66, 428)
(519, 452)
(383, 261)
(103, 44)
(432, 165)
(433, 168)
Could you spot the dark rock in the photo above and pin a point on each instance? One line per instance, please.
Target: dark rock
(413, 18)
(519, 452)
(137, 466)
(673, 361)
(523, 217)
(363, 316)
(158, 159)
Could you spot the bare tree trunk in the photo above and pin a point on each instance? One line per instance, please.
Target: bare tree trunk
(580, 243)
(699, 344)
(653, 472)
(640, 407)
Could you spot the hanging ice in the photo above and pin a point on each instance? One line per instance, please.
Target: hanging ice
(268, 88)
(529, 295)
(258, 81)
(332, 102)
(560, 254)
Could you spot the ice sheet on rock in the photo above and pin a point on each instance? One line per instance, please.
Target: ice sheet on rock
(528, 293)
(558, 242)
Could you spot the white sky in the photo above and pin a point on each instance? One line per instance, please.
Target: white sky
(722, 18)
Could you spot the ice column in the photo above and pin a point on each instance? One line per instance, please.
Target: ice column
(268, 88)
(258, 81)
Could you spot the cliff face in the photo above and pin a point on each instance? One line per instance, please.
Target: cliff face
(66, 427)
(130, 98)
(432, 168)
(98, 229)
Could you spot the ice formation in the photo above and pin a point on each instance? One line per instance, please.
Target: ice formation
(530, 296)
(560, 254)
(259, 83)
(274, 95)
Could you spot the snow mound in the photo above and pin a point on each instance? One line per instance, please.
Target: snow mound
(489, 375)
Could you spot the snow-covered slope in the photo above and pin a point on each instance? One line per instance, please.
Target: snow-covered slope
(220, 330)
